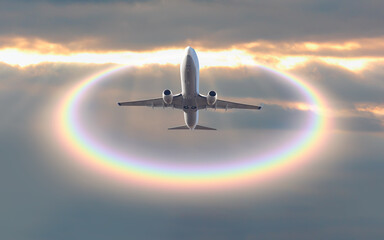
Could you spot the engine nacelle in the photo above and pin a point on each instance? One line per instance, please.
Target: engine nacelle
(211, 98)
(167, 96)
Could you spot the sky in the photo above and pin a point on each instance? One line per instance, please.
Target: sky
(74, 165)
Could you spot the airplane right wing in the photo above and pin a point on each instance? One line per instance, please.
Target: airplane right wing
(221, 104)
(156, 102)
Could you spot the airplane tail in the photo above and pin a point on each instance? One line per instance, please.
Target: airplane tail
(198, 127)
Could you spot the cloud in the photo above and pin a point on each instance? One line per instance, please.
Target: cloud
(354, 55)
(336, 205)
(358, 124)
(375, 109)
(148, 25)
(349, 95)
(345, 86)
(38, 203)
(65, 2)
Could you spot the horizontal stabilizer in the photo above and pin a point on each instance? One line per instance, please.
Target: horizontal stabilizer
(198, 127)
(179, 128)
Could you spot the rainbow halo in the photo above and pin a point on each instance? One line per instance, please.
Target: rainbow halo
(187, 177)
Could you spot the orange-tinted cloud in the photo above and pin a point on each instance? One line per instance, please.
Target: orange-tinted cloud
(376, 109)
(354, 55)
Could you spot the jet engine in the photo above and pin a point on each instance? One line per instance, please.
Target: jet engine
(167, 96)
(211, 98)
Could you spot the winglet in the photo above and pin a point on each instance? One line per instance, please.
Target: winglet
(119, 104)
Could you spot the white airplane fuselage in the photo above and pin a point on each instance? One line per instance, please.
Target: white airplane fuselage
(189, 71)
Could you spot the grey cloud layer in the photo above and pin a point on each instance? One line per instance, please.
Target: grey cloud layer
(345, 86)
(344, 204)
(153, 24)
(32, 89)
(342, 89)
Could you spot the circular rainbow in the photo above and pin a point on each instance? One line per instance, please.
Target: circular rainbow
(133, 171)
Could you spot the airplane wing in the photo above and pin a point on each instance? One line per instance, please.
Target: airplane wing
(221, 104)
(156, 102)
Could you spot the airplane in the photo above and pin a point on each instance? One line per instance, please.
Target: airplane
(190, 101)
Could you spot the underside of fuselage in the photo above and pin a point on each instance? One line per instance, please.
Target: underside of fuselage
(189, 73)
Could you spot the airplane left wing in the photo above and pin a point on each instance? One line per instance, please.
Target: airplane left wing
(156, 102)
(221, 104)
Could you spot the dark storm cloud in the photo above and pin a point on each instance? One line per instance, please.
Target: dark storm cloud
(147, 25)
